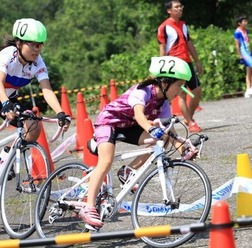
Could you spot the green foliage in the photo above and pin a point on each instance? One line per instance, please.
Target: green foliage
(222, 73)
(216, 50)
(91, 33)
(90, 42)
(130, 65)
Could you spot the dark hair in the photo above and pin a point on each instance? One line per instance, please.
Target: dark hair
(8, 41)
(168, 5)
(156, 81)
(240, 19)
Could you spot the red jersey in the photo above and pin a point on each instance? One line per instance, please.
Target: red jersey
(175, 36)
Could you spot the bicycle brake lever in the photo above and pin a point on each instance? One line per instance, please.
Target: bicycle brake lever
(62, 135)
(200, 147)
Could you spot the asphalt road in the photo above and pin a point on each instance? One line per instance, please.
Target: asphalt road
(228, 124)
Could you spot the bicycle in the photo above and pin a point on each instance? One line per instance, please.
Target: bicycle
(20, 180)
(179, 184)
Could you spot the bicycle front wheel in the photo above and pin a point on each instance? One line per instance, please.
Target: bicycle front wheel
(19, 190)
(60, 214)
(191, 189)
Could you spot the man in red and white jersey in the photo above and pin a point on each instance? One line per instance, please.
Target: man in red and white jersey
(174, 39)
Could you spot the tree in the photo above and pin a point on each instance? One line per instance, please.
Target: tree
(84, 34)
(86, 39)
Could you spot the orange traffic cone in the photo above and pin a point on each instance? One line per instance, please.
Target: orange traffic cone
(81, 107)
(113, 92)
(103, 97)
(175, 106)
(88, 158)
(64, 102)
(38, 166)
(80, 117)
(221, 235)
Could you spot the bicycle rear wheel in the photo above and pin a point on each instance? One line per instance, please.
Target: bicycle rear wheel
(19, 193)
(59, 217)
(192, 191)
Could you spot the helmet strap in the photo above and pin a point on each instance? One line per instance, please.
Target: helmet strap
(21, 54)
(163, 90)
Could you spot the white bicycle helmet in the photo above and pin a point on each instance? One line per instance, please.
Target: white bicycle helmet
(170, 67)
(28, 29)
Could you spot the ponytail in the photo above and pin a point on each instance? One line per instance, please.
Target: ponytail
(8, 41)
(156, 81)
(147, 82)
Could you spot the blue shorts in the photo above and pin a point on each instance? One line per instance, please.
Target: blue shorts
(247, 58)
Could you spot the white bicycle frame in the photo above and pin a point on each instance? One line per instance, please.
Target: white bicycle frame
(14, 137)
(156, 152)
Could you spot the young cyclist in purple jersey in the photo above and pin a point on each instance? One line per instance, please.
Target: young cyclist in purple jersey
(20, 62)
(131, 115)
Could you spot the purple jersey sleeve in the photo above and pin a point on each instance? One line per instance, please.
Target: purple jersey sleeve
(139, 96)
(142, 96)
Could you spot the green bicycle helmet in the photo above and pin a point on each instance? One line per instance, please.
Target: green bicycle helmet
(28, 29)
(170, 67)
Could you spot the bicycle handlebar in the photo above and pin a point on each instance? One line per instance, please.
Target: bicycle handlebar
(28, 115)
(59, 130)
(167, 124)
(200, 139)
(192, 151)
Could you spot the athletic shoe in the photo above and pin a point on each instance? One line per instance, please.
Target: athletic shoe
(248, 93)
(186, 122)
(91, 217)
(123, 175)
(194, 128)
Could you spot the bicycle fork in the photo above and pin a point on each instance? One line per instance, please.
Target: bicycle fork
(19, 188)
(166, 183)
(17, 169)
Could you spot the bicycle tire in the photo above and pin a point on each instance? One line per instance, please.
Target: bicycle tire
(67, 222)
(17, 205)
(190, 183)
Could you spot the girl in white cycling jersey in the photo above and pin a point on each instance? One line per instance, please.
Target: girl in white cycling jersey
(20, 62)
(130, 115)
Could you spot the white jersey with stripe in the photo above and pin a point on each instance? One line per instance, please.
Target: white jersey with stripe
(18, 75)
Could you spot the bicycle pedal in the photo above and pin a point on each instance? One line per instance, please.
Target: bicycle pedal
(11, 175)
(62, 176)
(91, 228)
